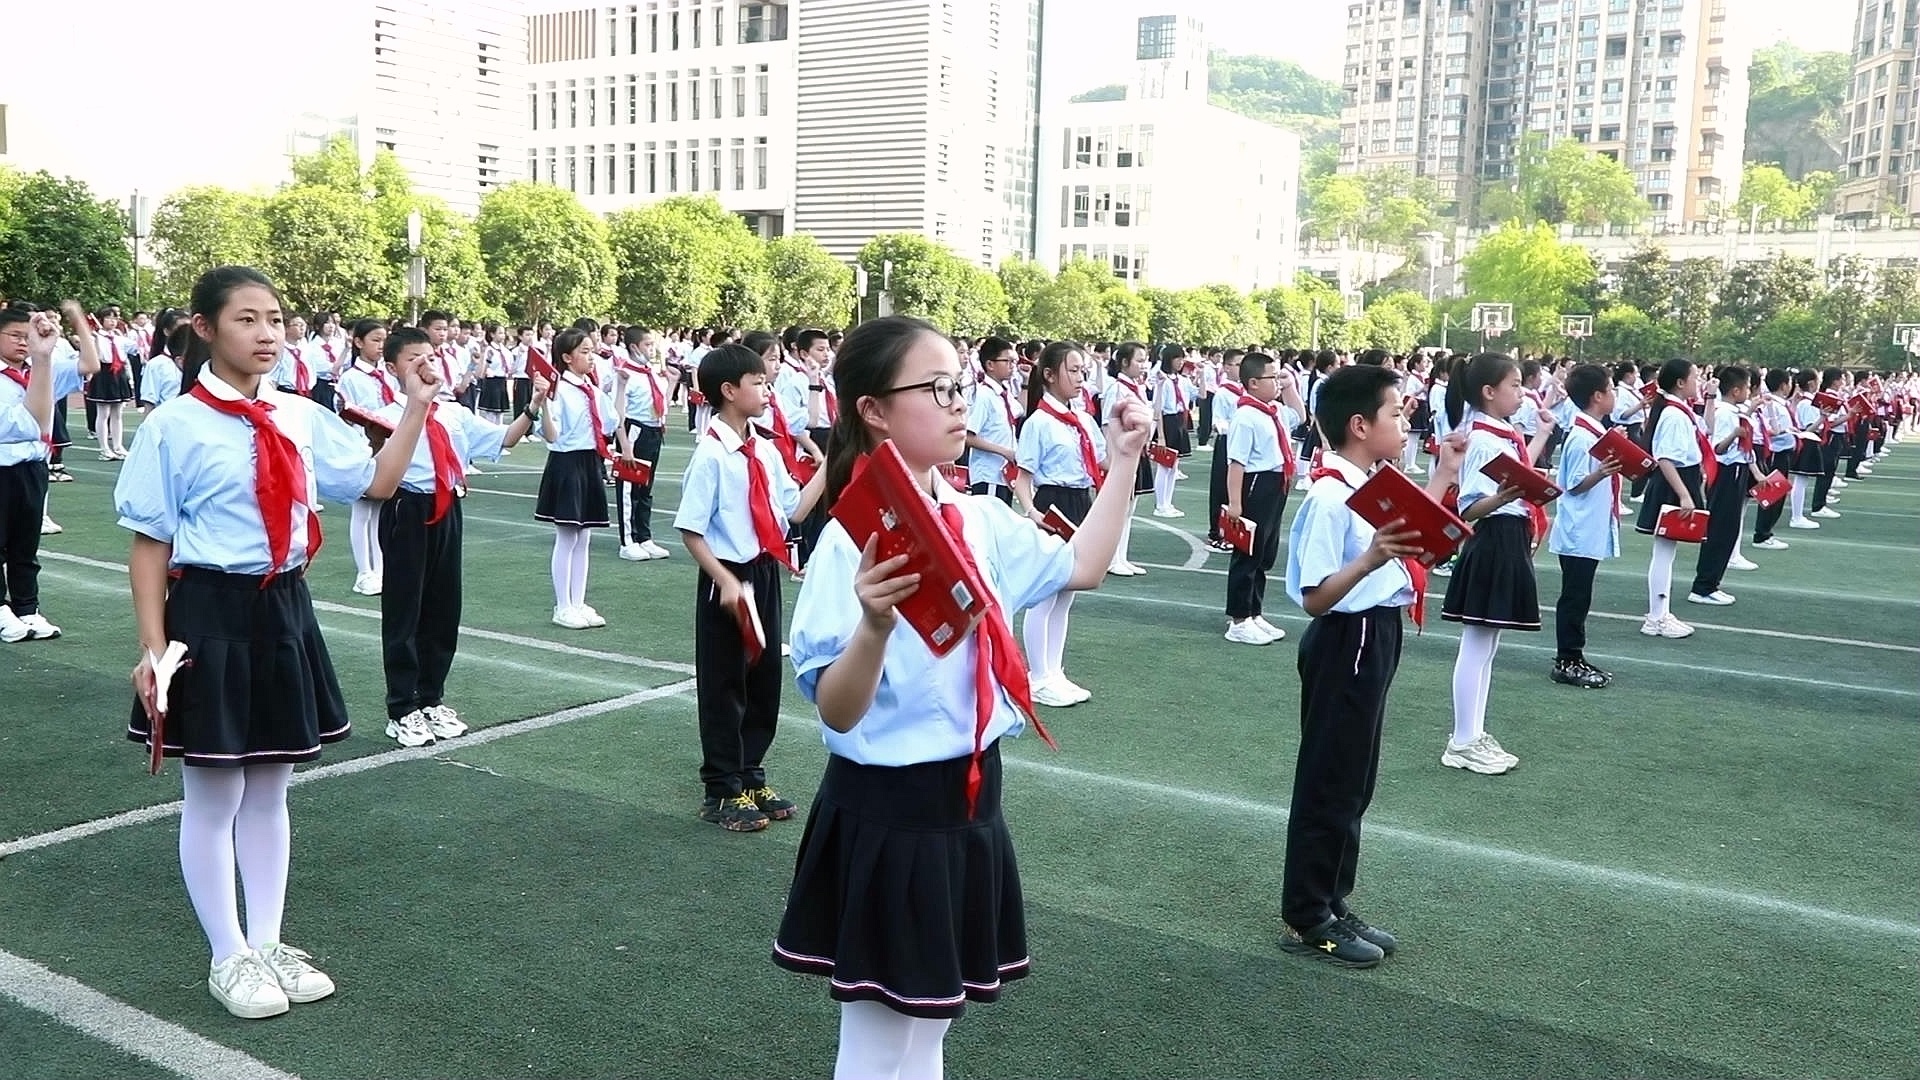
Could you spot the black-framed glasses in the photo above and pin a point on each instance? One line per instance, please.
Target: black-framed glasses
(945, 389)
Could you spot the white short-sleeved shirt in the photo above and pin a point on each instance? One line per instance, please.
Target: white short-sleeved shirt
(1676, 434)
(20, 439)
(1586, 525)
(1226, 398)
(573, 420)
(473, 439)
(1050, 450)
(159, 380)
(1437, 408)
(1482, 447)
(1327, 535)
(713, 493)
(1253, 442)
(923, 709)
(990, 416)
(1726, 422)
(361, 386)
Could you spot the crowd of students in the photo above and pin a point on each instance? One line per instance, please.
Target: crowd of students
(1033, 454)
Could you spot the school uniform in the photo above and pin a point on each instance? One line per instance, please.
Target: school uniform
(1347, 662)
(906, 891)
(1677, 438)
(113, 383)
(520, 381)
(644, 416)
(1726, 503)
(1258, 443)
(1832, 428)
(367, 388)
(1055, 445)
(572, 490)
(1119, 389)
(1209, 383)
(1586, 530)
(293, 373)
(993, 416)
(1493, 583)
(421, 530)
(739, 703)
(495, 394)
(259, 688)
(326, 355)
(1170, 402)
(24, 462)
(1224, 397)
(159, 380)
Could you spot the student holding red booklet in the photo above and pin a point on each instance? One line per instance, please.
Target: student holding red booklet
(1586, 521)
(914, 775)
(1687, 469)
(1260, 471)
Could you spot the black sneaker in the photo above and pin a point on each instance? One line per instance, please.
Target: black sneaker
(1605, 677)
(1333, 943)
(1381, 939)
(1579, 673)
(770, 802)
(735, 813)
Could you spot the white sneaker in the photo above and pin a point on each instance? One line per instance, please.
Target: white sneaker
(1839, 482)
(247, 987)
(1245, 632)
(1865, 470)
(1483, 755)
(1772, 543)
(1168, 512)
(1741, 562)
(1827, 512)
(444, 723)
(11, 628)
(1121, 569)
(38, 628)
(568, 618)
(594, 618)
(1667, 627)
(1053, 696)
(1802, 523)
(410, 730)
(656, 550)
(318, 507)
(635, 552)
(1271, 630)
(1074, 690)
(50, 527)
(1715, 598)
(367, 584)
(299, 980)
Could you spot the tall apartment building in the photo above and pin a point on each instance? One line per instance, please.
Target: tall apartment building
(1883, 111)
(1450, 89)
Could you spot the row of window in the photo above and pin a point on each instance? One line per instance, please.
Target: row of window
(1124, 206)
(652, 168)
(1124, 146)
(696, 27)
(1129, 261)
(707, 94)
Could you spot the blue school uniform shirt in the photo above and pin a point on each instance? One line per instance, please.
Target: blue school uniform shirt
(189, 477)
(1437, 410)
(360, 386)
(1225, 399)
(1584, 525)
(1726, 422)
(1327, 535)
(990, 416)
(791, 389)
(713, 493)
(1051, 451)
(159, 380)
(1779, 423)
(639, 395)
(1253, 442)
(473, 439)
(1675, 435)
(572, 422)
(19, 432)
(1483, 447)
(923, 708)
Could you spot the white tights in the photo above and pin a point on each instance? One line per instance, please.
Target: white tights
(1410, 453)
(110, 425)
(877, 1043)
(1162, 487)
(236, 817)
(1660, 579)
(1473, 682)
(1045, 635)
(1799, 498)
(364, 532)
(1126, 534)
(570, 565)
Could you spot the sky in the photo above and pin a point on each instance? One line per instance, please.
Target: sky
(227, 79)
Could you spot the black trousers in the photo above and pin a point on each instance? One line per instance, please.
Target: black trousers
(420, 600)
(1263, 498)
(739, 704)
(633, 503)
(1767, 517)
(1856, 449)
(1346, 665)
(1638, 487)
(998, 491)
(23, 502)
(1570, 611)
(322, 395)
(1216, 487)
(1726, 506)
(522, 394)
(1206, 420)
(1829, 462)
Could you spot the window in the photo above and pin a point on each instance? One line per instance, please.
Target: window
(673, 166)
(760, 163)
(607, 177)
(673, 98)
(693, 167)
(593, 106)
(1082, 206)
(573, 106)
(761, 86)
(533, 107)
(592, 172)
(653, 33)
(1101, 145)
(653, 100)
(739, 92)
(719, 108)
(673, 31)
(653, 169)
(1102, 204)
(1083, 149)
(713, 157)
(573, 178)
(633, 100)
(696, 28)
(762, 22)
(1156, 38)
(693, 97)
(1123, 207)
(1145, 153)
(631, 188)
(739, 149)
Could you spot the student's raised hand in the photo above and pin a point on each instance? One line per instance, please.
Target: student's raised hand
(541, 388)
(1546, 419)
(1132, 423)
(881, 587)
(1453, 451)
(1394, 540)
(422, 382)
(43, 332)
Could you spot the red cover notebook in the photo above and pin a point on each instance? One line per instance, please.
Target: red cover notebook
(955, 475)
(1533, 484)
(884, 500)
(753, 634)
(164, 668)
(1058, 523)
(1772, 488)
(538, 365)
(1826, 401)
(1388, 495)
(1686, 528)
(640, 472)
(1237, 531)
(1163, 455)
(1615, 446)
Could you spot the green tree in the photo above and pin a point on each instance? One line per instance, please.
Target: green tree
(324, 251)
(1563, 181)
(1246, 321)
(1289, 316)
(1696, 290)
(1541, 277)
(809, 287)
(1338, 207)
(923, 278)
(1843, 307)
(1721, 343)
(1413, 309)
(1794, 337)
(1795, 108)
(1072, 307)
(1384, 326)
(62, 243)
(335, 165)
(1755, 292)
(1766, 188)
(979, 302)
(1624, 332)
(1127, 314)
(1023, 280)
(198, 228)
(449, 245)
(1169, 316)
(545, 254)
(686, 261)
(1646, 279)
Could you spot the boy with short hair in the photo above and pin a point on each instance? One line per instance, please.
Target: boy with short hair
(1260, 468)
(1586, 523)
(642, 384)
(32, 378)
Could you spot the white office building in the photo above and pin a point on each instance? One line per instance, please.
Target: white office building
(1165, 188)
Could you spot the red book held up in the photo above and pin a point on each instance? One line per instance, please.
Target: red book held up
(537, 365)
(956, 474)
(1388, 496)
(1532, 484)
(1058, 524)
(753, 633)
(1826, 401)
(1163, 455)
(1681, 526)
(640, 473)
(884, 500)
(1772, 488)
(1615, 446)
(1237, 531)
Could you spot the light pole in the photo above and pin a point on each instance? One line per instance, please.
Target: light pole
(1753, 227)
(416, 268)
(137, 223)
(1433, 260)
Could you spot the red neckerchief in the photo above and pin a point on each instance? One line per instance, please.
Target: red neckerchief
(1290, 462)
(1709, 463)
(593, 416)
(302, 374)
(1581, 420)
(782, 440)
(1536, 514)
(1233, 388)
(832, 403)
(1087, 399)
(772, 536)
(1089, 460)
(445, 355)
(1006, 401)
(1416, 573)
(1179, 395)
(645, 371)
(279, 476)
(448, 473)
(1130, 385)
(118, 363)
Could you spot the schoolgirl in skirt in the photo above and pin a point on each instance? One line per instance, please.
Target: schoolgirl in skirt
(1170, 411)
(495, 393)
(217, 493)
(914, 777)
(110, 388)
(1127, 368)
(1061, 455)
(366, 386)
(1679, 447)
(1492, 588)
(577, 422)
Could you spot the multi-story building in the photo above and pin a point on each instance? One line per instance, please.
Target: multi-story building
(1883, 112)
(1134, 183)
(1451, 89)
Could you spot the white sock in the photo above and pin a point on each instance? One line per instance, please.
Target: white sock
(211, 801)
(1057, 633)
(1660, 579)
(363, 534)
(1472, 679)
(562, 565)
(1798, 498)
(1410, 453)
(1033, 636)
(262, 846)
(577, 568)
(1126, 534)
(1162, 487)
(1736, 543)
(877, 1043)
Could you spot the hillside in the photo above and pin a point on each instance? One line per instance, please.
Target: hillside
(1796, 109)
(1268, 89)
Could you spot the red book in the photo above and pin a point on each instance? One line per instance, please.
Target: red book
(639, 473)
(803, 470)
(1163, 455)
(753, 633)
(1010, 473)
(1058, 523)
(1533, 484)
(1682, 526)
(1615, 446)
(537, 364)
(1237, 531)
(884, 500)
(1388, 496)
(1772, 488)
(164, 667)
(955, 474)
(695, 399)
(1649, 391)
(1826, 401)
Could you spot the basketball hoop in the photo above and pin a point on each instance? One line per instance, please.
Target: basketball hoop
(1576, 326)
(1492, 320)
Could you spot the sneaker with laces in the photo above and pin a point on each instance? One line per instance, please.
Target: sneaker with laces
(656, 550)
(11, 628)
(771, 803)
(594, 618)
(1802, 523)
(1053, 696)
(410, 730)
(1483, 755)
(367, 584)
(1168, 512)
(1333, 943)
(1840, 482)
(1247, 632)
(1771, 544)
(299, 980)
(570, 618)
(635, 552)
(1219, 545)
(1741, 562)
(50, 527)
(1360, 928)
(1666, 626)
(444, 722)
(38, 628)
(1075, 690)
(1826, 512)
(734, 814)
(1716, 598)
(1578, 673)
(247, 987)
(1271, 630)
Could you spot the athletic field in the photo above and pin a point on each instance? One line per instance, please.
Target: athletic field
(1708, 869)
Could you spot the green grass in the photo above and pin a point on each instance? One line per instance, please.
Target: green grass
(1704, 870)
